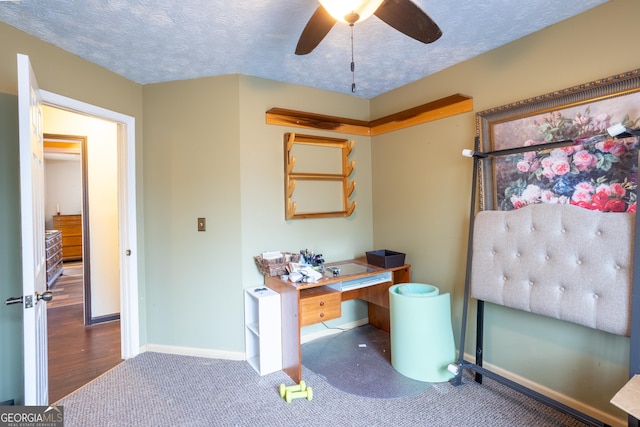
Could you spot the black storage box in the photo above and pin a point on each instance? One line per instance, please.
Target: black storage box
(385, 258)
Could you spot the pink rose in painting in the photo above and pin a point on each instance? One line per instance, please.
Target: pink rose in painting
(585, 186)
(568, 151)
(523, 166)
(547, 167)
(548, 196)
(605, 146)
(632, 208)
(546, 162)
(560, 167)
(548, 173)
(581, 196)
(614, 189)
(618, 189)
(584, 160)
(517, 202)
(618, 149)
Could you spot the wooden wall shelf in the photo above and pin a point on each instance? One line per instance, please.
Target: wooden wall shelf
(439, 109)
(291, 176)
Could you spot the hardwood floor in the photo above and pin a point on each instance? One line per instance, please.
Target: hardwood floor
(77, 354)
(68, 288)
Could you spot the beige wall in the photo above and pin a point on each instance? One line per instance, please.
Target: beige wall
(192, 166)
(212, 155)
(422, 191)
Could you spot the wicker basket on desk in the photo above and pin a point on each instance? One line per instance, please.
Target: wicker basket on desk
(276, 266)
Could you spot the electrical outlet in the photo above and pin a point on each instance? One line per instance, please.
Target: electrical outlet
(202, 224)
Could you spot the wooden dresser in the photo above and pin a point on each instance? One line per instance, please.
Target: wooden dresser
(71, 227)
(53, 250)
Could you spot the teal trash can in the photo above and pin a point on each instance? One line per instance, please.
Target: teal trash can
(422, 344)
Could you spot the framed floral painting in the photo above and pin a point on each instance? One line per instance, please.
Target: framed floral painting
(572, 160)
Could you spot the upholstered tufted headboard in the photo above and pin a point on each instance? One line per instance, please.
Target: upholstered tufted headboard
(560, 261)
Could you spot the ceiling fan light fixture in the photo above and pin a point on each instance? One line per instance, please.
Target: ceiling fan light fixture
(344, 10)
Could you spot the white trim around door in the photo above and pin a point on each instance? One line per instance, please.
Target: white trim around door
(129, 308)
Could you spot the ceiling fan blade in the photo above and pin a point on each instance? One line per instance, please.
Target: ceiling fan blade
(318, 26)
(406, 17)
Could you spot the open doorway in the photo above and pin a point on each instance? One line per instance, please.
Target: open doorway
(81, 201)
(127, 213)
(67, 216)
(84, 317)
(126, 257)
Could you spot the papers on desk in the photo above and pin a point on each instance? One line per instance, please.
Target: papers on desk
(303, 273)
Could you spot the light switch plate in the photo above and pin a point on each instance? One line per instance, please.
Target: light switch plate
(202, 224)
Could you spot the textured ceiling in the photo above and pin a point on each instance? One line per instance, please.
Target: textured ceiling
(151, 41)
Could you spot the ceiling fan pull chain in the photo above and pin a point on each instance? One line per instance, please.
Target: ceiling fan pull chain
(353, 65)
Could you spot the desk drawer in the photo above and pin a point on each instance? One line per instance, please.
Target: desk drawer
(318, 305)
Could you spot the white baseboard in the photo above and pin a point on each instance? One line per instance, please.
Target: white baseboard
(231, 355)
(555, 395)
(192, 351)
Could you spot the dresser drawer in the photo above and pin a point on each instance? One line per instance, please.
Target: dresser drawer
(65, 221)
(54, 238)
(318, 305)
(52, 250)
(72, 252)
(71, 240)
(55, 258)
(53, 269)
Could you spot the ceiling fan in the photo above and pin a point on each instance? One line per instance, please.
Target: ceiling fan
(403, 15)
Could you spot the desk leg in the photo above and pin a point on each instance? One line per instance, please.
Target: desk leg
(379, 317)
(291, 352)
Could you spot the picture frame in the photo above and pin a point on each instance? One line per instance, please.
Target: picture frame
(592, 169)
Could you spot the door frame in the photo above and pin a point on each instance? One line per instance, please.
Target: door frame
(127, 213)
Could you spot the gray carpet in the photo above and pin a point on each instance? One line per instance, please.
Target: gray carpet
(155, 389)
(358, 361)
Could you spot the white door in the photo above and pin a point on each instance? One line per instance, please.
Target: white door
(36, 387)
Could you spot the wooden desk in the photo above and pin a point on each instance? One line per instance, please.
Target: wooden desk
(304, 304)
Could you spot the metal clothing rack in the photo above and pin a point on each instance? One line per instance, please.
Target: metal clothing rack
(477, 368)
